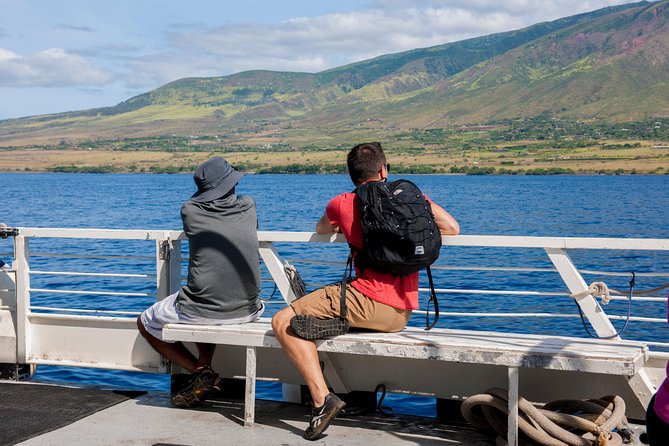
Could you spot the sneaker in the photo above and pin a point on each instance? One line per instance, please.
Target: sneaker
(321, 417)
(196, 391)
(309, 327)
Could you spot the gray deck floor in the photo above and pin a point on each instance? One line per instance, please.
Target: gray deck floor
(150, 420)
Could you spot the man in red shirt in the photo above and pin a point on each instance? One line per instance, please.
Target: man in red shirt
(375, 300)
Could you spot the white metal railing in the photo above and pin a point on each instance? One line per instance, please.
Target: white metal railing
(166, 274)
(555, 247)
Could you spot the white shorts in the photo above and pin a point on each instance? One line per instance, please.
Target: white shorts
(165, 312)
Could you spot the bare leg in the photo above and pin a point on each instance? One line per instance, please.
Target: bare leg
(206, 353)
(176, 352)
(302, 353)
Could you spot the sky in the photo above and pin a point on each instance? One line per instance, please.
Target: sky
(58, 55)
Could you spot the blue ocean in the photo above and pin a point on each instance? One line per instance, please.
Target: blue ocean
(553, 206)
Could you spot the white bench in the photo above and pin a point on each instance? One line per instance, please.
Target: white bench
(512, 351)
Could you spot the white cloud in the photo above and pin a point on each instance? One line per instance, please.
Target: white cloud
(7, 55)
(318, 43)
(326, 41)
(49, 68)
(308, 44)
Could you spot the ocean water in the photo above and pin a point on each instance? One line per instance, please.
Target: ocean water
(560, 206)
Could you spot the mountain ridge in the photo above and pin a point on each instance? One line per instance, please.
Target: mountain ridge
(608, 64)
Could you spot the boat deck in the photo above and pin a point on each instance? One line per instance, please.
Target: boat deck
(149, 419)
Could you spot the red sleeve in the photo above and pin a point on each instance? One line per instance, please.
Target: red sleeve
(332, 210)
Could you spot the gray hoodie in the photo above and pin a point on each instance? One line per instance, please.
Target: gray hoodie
(224, 266)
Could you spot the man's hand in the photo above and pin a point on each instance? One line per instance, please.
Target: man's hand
(324, 226)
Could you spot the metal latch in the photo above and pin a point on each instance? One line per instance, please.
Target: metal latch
(165, 251)
(7, 232)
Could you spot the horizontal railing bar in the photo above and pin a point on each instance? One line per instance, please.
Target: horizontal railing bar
(534, 293)
(640, 298)
(445, 268)
(122, 234)
(623, 274)
(494, 292)
(542, 315)
(273, 301)
(500, 241)
(638, 318)
(91, 293)
(86, 256)
(508, 292)
(316, 262)
(79, 310)
(286, 236)
(494, 268)
(456, 314)
(74, 317)
(71, 273)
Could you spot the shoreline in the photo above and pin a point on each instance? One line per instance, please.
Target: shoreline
(593, 161)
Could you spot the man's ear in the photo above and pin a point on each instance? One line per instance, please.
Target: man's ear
(383, 173)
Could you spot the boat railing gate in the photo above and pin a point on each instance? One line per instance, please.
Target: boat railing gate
(105, 337)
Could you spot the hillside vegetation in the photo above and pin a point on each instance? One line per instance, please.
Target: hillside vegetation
(580, 75)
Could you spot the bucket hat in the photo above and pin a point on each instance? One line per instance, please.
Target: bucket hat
(214, 178)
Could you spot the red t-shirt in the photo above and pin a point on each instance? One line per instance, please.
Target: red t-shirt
(397, 291)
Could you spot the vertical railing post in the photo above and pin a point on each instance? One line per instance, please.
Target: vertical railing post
(164, 249)
(575, 283)
(512, 395)
(175, 267)
(166, 276)
(275, 267)
(22, 268)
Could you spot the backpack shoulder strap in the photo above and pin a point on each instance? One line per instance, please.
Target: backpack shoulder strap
(435, 302)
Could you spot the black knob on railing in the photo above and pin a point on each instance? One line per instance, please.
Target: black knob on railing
(6, 231)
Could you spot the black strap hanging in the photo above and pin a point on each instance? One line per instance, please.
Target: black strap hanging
(435, 302)
(348, 271)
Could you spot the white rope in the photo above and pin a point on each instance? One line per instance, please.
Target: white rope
(595, 289)
(558, 423)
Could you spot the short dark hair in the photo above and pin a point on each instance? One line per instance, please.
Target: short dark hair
(364, 161)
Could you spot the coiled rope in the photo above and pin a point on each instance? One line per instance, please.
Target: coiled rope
(555, 423)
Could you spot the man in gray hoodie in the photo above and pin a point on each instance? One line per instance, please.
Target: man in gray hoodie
(223, 275)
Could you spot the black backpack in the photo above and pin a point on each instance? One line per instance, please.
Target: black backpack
(399, 233)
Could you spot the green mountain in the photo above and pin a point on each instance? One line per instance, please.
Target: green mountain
(609, 65)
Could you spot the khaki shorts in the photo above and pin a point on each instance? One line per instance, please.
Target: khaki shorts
(362, 312)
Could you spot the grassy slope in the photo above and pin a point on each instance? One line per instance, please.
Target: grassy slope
(612, 68)
(609, 64)
(215, 104)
